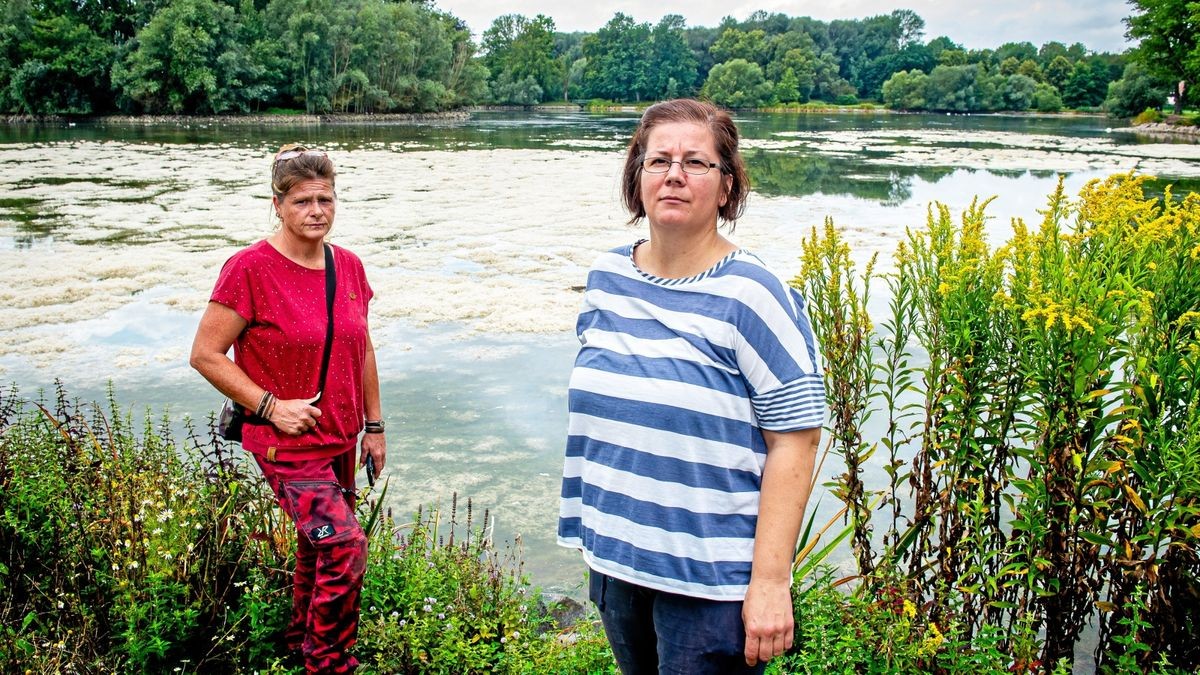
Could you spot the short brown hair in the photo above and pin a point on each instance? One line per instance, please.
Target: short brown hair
(725, 138)
(285, 174)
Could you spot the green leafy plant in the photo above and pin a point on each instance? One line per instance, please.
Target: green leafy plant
(1043, 410)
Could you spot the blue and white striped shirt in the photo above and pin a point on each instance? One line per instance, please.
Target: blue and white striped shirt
(674, 383)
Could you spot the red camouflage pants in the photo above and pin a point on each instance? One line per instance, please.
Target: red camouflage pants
(331, 556)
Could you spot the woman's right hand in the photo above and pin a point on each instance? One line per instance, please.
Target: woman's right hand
(294, 416)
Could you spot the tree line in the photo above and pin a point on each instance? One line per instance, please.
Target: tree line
(379, 56)
(234, 56)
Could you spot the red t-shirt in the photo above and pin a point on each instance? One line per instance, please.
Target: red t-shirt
(281, 348)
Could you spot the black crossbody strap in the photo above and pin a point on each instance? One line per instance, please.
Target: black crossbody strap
(330, 294)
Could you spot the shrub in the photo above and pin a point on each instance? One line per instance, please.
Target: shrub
(1040, 409)
(122, 550)
(1148, 116)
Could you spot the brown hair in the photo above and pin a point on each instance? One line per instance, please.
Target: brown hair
(725, 138)
(309, 165)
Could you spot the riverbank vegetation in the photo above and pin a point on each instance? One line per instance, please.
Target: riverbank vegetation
(1036, 409)
(125, 550)
(201, 57)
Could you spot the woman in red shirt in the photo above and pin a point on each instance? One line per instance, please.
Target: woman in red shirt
(269, 304)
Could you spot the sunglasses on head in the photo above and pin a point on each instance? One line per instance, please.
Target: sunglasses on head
(293, 154)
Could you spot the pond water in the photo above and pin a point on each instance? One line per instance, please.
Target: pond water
(476, 235)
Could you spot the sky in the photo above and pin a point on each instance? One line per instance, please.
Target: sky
(973, 24)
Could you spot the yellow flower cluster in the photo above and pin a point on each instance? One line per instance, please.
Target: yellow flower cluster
(1054, 312)
(933, 640)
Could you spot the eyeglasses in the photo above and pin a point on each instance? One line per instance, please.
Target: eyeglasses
(693, 165)
(293, 154)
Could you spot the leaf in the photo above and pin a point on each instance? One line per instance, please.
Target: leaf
(1135, 499)
(1097, 539)
(1105, 606)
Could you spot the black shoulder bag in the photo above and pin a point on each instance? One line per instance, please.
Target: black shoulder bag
(233, 416)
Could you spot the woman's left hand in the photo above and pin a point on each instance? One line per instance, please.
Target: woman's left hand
(767, 613)
(374, 445)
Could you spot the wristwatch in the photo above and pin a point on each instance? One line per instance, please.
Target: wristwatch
(373, 427)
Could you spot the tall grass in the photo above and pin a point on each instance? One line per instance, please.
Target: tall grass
(1043, 431)
(125, 550)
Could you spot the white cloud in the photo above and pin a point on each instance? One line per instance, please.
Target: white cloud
(1097, 24)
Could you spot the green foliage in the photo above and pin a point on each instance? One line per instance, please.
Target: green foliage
(955, 89)
(748, 46)
(1168, 32)
(522, 92)
(618, 60)
(379, 56)
(1018, 92)
(906, 90)
(1046, 99)
(1088, 84)
(125, 551)
(193, 57)
(1134, 92)
(1147, 116)
(1043, 424)
(674, 71)
(968, 88)
(64, 70)
(738, 84)
(442, 599)
(519, 53)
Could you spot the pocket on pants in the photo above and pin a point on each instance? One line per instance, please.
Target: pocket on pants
(321, 511)
(597, 585)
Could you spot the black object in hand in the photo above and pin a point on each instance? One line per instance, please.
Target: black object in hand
(370, 470)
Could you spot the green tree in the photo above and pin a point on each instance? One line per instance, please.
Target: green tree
(1134, 92)
(1015, 50)
(618, 60)
(60, 67)
(375, 56)
(674, 66)
(952, 57)
(787, 88)
(911, 57)
(1017, 92)
(1169, 47)
(940, 44)
(749, 46)
(1030, 68)
(795, 73)
(738, 84)
(519, 92)
(190, 58)
(828, 84)
(1049, 51)
(905, 90)
(1058, 72)
(1046, 99)
(519, 49)
(955, 89)
(1088, 84)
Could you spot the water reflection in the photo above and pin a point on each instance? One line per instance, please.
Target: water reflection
(776, 174)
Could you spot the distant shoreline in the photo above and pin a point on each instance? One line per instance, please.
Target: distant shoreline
(463, 114)
(282, 119)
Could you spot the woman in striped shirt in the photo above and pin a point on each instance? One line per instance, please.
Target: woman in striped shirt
(696, 406)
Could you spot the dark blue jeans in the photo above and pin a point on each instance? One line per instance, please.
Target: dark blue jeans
(654, 632)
